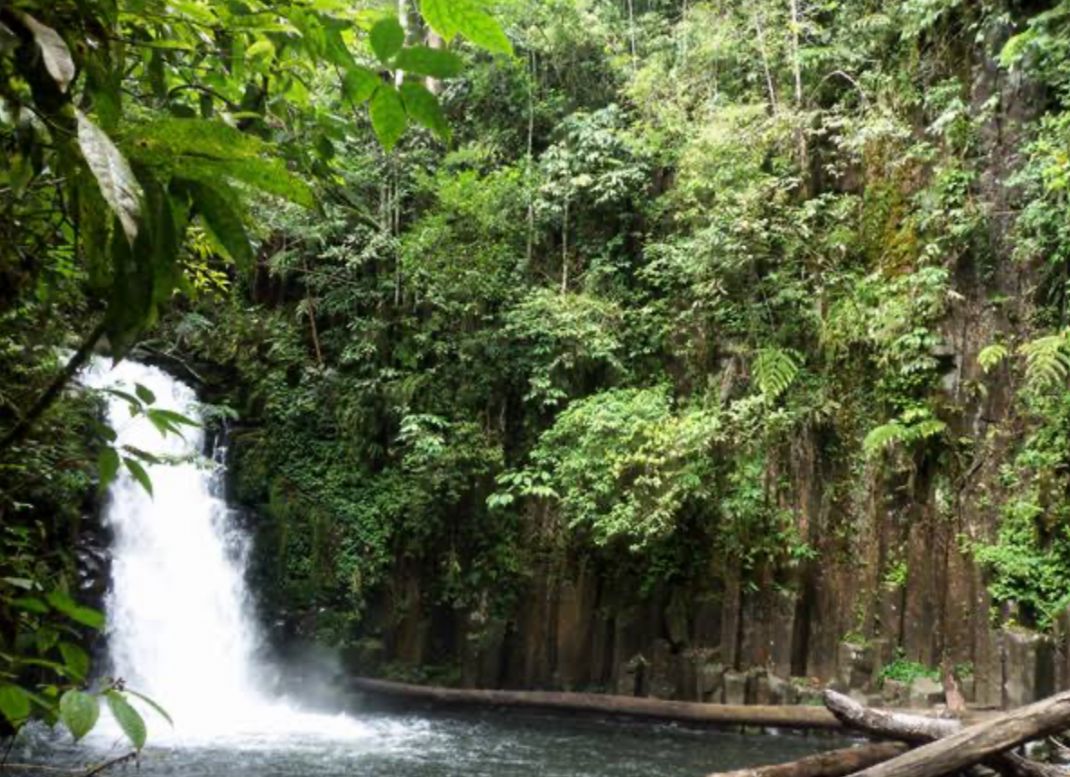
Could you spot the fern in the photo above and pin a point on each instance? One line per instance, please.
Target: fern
(914, 425)
(774, 370)
(884, 437)
(992, 356)
(923, 430)
(1047, 360)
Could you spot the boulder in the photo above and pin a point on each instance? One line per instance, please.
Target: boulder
(632, 677)
(735, 688)
(781, 691)
(925, 692)
(710, 679)
(895, 693)
(856, 665)
(1028, 667)
(664, 675)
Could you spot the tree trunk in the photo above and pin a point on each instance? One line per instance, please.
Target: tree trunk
(765, 62)
(918, 728)
(889, 725)
(835, 763)
(801, 717)
(979, 742)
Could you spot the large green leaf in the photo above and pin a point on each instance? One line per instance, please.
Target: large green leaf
(209, 150)
(388, 115)
(76, 660)
(449, 17)
(162, 712)
(481, 28)
(159, 241)
(360, 83)
(269, 176)
(87, 616)
(427, 61)
(215, 204)
(387, 37)
(54, 52)
(107, 467)
(423, 107)
(14, 703)
(129, 719)
(130, 294)
(30, 604)
(139, 474)
(112, 172)
(79, 712)
(439, 14)
(159, 141)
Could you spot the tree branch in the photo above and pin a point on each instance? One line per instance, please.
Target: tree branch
(55, 388)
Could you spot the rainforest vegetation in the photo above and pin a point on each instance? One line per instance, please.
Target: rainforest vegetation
(699, 295)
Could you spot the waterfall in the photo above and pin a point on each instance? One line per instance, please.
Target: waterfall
(181, 625)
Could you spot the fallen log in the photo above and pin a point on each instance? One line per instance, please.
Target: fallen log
(975, 744)
(798, 717)
(835, 763)
(918, 728)
(890, 725)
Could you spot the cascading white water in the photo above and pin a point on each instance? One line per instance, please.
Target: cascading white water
(180, 621)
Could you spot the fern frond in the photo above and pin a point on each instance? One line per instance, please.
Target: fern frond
(923, 430)
(1047, 360)
(774, 369)
(884, 437)
(991, 356)
(914, 425)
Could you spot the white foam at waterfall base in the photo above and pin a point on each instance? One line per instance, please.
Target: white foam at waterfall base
(180, 619)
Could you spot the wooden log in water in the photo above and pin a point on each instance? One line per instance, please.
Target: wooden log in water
(887, 724)
(918, 728)
(979, 742)
(835, 763)
(603, 704)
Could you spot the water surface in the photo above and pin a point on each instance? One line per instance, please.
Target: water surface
(487, 744)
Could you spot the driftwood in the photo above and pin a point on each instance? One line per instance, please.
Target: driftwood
(889, 725)
(917, 728)
(835, 763)
(799, 717)
(978, 743)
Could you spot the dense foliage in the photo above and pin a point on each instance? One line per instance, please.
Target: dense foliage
(135, 135)
(671, 254)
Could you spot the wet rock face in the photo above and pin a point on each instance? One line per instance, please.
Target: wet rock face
(580, 634)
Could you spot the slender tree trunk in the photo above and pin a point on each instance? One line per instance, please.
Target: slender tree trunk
(434, 41)
(760, 34)
(564, 245)
(796, 66)
(529, 166)
(631, 31)
(683, 43)
(395, 231)
(310, 303)
(403, 20)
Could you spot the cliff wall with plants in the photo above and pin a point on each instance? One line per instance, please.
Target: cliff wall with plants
(718, 335)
